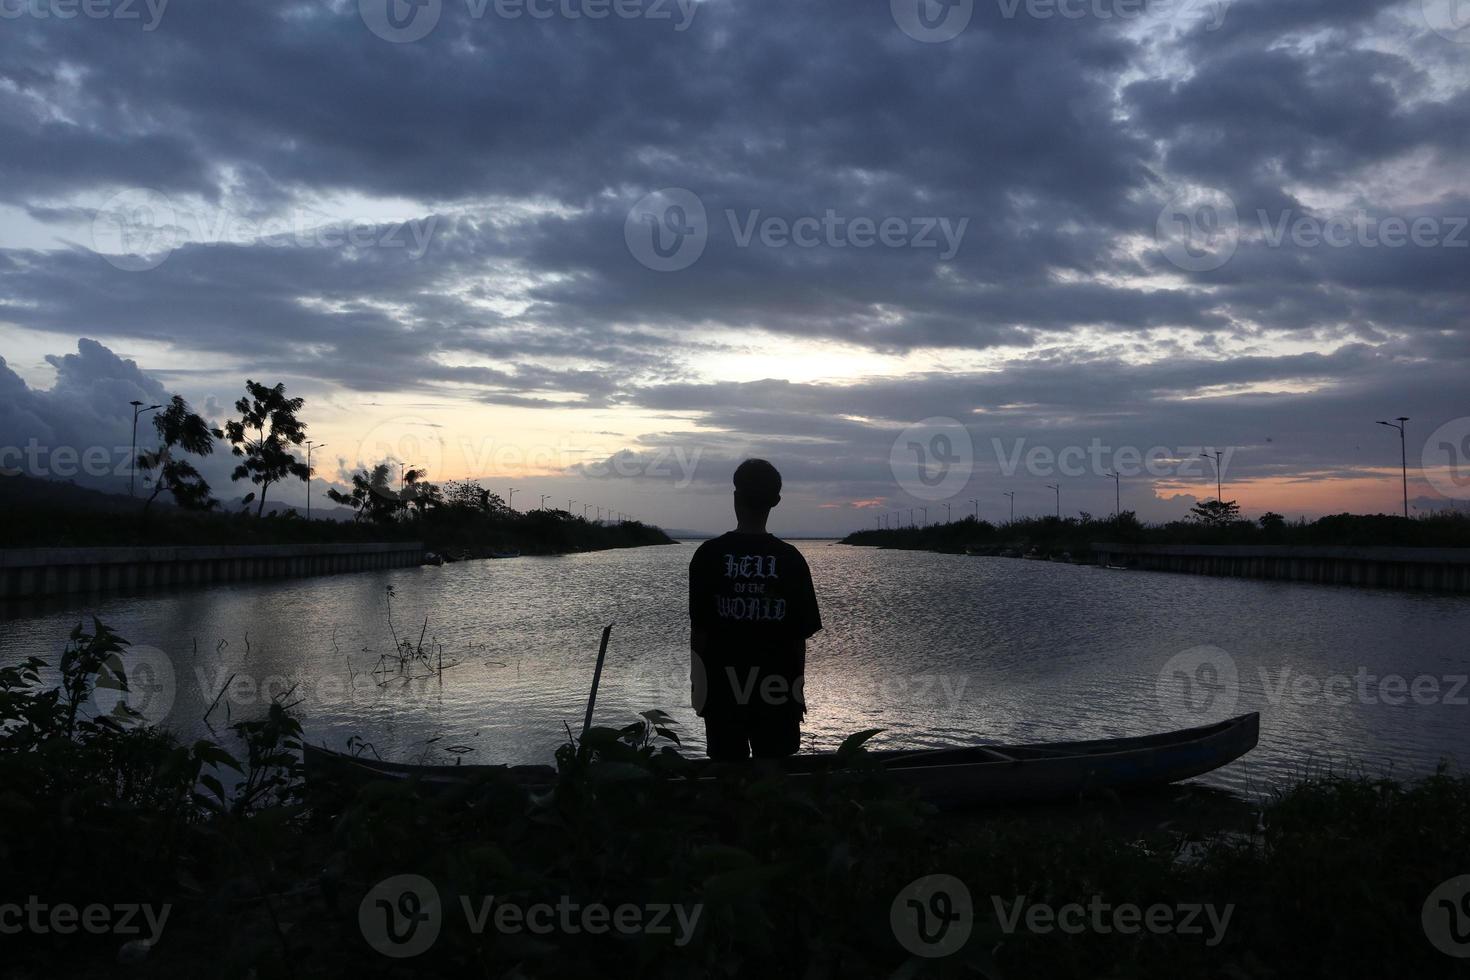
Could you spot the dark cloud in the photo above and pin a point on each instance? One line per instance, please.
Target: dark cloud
(518, 146)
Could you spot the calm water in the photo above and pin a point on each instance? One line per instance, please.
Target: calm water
(931, 648)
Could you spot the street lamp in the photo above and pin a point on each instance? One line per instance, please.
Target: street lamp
(584, 511)
(1403, 456)
(976, 502)
(1058, 488)
(948, 518)
(1117, 493)
(138, 409)
(1219, 495)
(543, 500)
(510, 502)
(1012, 495)
(309, 447)
(925, 511)
(570, 501)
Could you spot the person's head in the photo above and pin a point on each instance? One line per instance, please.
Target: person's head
(757, 489)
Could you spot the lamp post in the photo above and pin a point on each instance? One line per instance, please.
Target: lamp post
(309, 447)
(543, 500)
(510, 502)
(1012, 495)
(1219, 494)
(975, 502)
(1398, 423)
(911, 518)
(1058, 488)
(584, 511)
(925, 511)
(1117, 493)
(570, 501)
(948, 518)
(138, 409)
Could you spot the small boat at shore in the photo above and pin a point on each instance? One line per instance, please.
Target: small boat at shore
(957, 776)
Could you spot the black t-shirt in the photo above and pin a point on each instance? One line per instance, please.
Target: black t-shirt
(751, 596)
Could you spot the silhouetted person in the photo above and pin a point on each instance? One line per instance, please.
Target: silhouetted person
(751, 609)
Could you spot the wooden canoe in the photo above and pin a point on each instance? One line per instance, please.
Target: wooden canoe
(959, 776)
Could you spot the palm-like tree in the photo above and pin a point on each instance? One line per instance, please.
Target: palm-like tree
(180, 431)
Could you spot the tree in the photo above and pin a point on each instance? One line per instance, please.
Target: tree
(1272, 521)
(1215, 513)
(263, 437)
(371, 497)
(419, 493)
(181, 431)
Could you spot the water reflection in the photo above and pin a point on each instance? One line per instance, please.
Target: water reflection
(932, 648)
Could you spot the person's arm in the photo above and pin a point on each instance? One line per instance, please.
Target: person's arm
(809, 614)
(698, 630)
(698, 638)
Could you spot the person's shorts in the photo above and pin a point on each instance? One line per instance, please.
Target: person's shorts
(734, 733)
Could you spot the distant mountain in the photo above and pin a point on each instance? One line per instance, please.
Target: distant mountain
(684, 534)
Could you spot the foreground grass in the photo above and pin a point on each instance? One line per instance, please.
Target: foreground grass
(774, 879)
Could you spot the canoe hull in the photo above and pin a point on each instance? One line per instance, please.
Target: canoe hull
(961, 776)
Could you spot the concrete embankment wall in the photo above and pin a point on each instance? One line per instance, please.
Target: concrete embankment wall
(1438, 569)
(57, 571)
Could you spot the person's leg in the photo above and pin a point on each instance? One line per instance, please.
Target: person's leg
(725, 736)
(775, 733)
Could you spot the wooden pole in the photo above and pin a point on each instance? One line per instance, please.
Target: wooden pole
(596, 679)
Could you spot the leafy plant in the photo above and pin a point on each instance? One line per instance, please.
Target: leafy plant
(264, 435)
(180, 431)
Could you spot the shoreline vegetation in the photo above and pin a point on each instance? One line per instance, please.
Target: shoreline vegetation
(1072, 538)
(245, 871)
(468, 522)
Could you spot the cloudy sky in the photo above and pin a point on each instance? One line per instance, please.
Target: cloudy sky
(916, 253)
